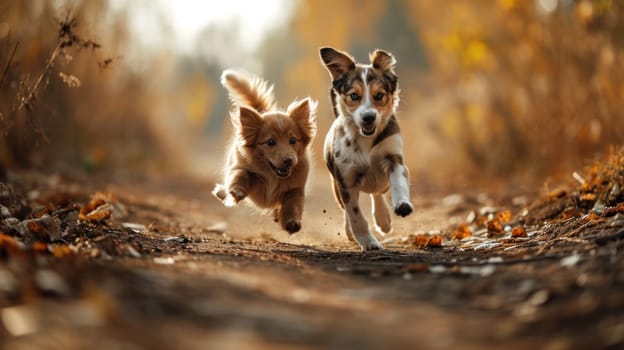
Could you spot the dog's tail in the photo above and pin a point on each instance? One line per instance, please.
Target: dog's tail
(248, 90)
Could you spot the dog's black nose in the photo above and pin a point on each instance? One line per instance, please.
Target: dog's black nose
(368, 117)
(288, 161)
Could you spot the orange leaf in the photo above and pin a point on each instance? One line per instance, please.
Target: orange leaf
(61, 250)
(421, 240)
(558, 193)
(571, 212)
(40, 247)
(504, 216)
(593, 216)
(7, 241)
(101, 213)
(588, 197)
(518, 231)
(425, 240)
(99, 199)
(92, 205)
(435, 241)
(461, 232)
(495, 228)
(34, 227)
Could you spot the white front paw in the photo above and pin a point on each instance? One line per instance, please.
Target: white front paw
(229, 201)
(369, 242)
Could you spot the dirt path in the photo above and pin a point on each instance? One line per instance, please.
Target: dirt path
(191, 274)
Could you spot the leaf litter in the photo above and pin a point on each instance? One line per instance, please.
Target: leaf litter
(496, 258)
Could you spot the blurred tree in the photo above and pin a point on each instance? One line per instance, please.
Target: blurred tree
(524, 73)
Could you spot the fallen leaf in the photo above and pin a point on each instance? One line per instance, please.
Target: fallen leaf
(425, 240)
(436, 241)
(571, 212)
(588, 197)
(495, 228)
(61, 250)
(558, 193)
(99, 214)
(90, 211)
(481, 220)
(610, 211)
(39, 211)
(461, 232)
(43, 228)
(91, 206)
(592, 216)
(40, 247)
(504, 216)
(518, 231)
(137, 228)
(34, 227)
(8, 242)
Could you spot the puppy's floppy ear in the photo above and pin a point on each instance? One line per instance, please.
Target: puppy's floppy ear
(337, 62)
(248, 124)
(304, 115)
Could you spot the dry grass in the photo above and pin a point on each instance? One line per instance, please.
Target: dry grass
(67, 102)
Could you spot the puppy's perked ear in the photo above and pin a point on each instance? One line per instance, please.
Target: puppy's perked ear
(304, 115)
(337, 62)
(385, 62)
(248, 125)
(382, 60)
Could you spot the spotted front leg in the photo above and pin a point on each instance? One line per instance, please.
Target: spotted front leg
(357, 222)
(398, 175)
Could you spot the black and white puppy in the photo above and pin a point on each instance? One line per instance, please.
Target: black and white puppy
(363, 148)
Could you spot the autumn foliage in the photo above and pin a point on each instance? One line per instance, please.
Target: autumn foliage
(501, 87)
(532, 87)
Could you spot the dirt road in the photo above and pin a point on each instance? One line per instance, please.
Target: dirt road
(177, 270)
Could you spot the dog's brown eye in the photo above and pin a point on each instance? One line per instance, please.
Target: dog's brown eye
(354, 97)
(270, 142)
(379, 96)
(293, 141)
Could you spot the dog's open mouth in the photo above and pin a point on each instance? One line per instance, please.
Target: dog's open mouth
(368, 129)
(280, 172)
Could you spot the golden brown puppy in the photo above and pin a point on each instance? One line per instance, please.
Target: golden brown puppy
(269, 159)
(364, 148)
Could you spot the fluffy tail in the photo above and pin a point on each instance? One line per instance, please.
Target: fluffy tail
(248, 90)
